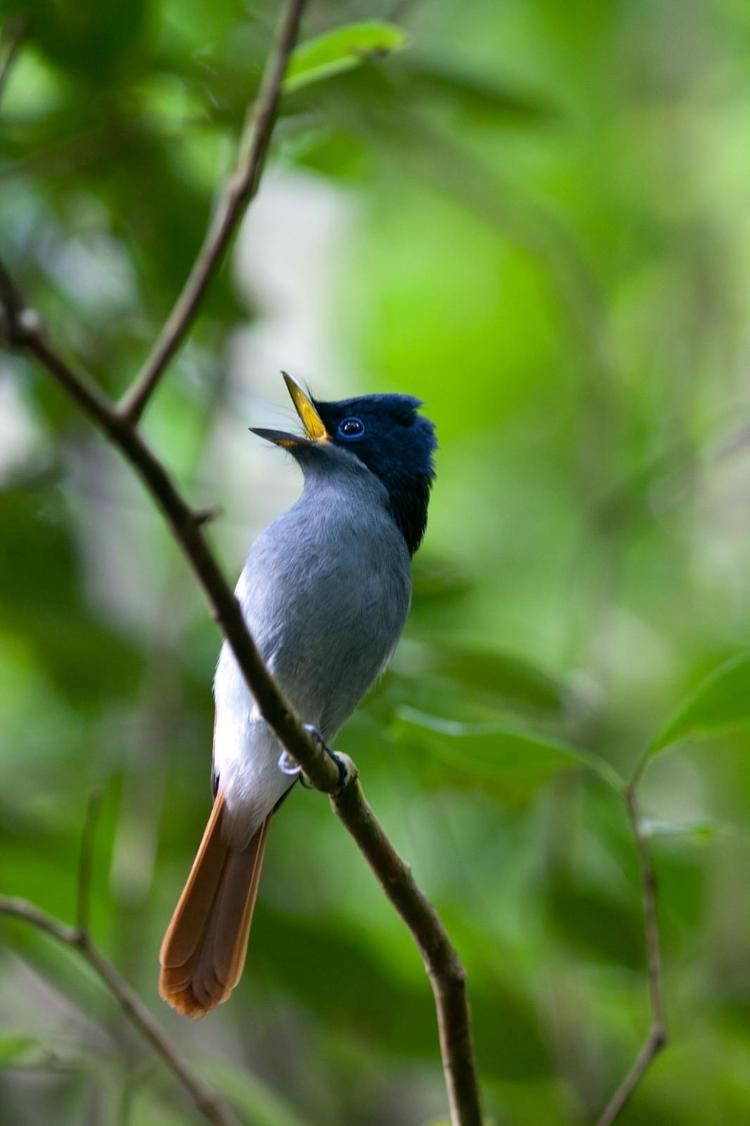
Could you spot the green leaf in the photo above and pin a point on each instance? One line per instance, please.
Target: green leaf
(12, 1048)
(494, 753)
(343, 49)
(719, 704)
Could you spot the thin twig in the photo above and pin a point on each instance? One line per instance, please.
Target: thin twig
(83, 883)
(205, 1098)
(238, 191)
(657, 1034)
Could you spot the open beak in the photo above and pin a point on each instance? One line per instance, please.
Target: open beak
(315, 430)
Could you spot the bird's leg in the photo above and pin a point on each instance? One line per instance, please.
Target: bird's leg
(288, 765)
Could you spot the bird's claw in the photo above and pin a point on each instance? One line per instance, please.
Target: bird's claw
(289, 765)
(337, 759)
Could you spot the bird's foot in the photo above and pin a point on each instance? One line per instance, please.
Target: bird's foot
(338, 760)
(289, 765)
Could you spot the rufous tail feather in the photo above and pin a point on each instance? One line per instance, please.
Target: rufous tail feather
(204, 949)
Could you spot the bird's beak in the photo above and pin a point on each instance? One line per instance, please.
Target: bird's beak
(315, 430)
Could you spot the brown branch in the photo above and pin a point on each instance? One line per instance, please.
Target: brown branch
(444, 969)
(79, 938)
(205, 1098)
(238, 191)
(657, 1034)
(442, 963)
(443, 966)
(22, 330)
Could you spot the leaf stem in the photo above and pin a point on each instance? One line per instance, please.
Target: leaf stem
(656, 1038)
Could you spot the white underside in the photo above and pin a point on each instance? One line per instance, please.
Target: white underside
(246, 752)
(325, 592)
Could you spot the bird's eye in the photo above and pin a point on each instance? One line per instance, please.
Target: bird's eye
(351, 428)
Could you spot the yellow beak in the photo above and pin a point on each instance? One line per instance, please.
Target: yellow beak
(315, 430)
(305, 408)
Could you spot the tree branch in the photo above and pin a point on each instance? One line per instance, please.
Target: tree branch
(79, 938)
(205, 1098)
(22, 329)
(444, 969)
(657, 1034)
(238, 191)
(187, 530)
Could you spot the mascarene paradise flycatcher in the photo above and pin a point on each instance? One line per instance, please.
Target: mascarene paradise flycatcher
(325, 592)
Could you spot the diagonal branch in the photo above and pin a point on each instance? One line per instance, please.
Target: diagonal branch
(205, 1098)
(657, 1034)
(238, 191)
(444, 969)
(21, 329)
(441, 961)
(187, 529)
(79, 938)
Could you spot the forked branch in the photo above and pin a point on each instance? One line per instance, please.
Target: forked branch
(441, 960)
(208, 1102)
(22, 330)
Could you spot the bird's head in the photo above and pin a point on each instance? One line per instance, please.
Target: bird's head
(384, 433)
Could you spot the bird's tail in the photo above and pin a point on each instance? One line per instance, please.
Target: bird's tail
(204, 949)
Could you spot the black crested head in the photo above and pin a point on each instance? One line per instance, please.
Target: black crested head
(396, 443)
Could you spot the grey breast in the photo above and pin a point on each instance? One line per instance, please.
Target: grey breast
(326, 591)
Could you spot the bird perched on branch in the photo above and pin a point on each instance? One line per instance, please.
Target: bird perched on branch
(325, 592)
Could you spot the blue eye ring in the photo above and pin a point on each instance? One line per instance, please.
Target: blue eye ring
(350, 429)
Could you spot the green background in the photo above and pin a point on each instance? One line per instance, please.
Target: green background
(542, 228)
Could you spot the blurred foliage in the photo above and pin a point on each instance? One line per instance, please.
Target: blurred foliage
(543, 232)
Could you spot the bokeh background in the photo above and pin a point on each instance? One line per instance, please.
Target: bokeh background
(536, 217)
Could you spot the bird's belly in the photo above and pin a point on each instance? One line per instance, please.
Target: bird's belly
(326, 623)
(328, 632)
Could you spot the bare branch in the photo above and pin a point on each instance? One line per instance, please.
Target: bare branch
(22, 329)
(657, 1035)
(238, 191)
(205, 1098)
(11, 318)
(442, 963)
(186, 527)
(444, 969)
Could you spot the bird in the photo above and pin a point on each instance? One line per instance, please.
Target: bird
(325, 592)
